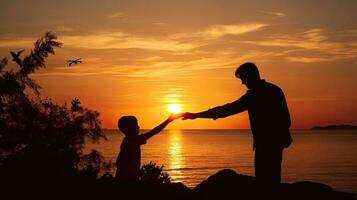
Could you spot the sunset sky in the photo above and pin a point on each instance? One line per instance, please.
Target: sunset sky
(140, 57)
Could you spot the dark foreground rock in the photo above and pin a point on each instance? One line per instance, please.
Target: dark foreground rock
(106, 189)
(225, 184)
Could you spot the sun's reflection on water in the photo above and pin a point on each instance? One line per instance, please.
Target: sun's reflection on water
(176, 160)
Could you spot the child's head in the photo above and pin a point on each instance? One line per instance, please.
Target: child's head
(128, 125)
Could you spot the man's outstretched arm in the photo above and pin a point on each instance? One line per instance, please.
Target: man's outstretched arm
(229, 109)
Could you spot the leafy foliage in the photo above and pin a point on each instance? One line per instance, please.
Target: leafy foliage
(93, 164)
(154, 174)
(40, 136)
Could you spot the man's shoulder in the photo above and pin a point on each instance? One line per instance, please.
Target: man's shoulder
(272, 86)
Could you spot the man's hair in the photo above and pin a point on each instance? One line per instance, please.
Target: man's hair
(126, 123)
(247, 69)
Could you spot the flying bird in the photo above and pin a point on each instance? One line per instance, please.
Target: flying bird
(76, 61)
(16, 57)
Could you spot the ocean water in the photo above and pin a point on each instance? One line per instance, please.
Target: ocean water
(191, 156)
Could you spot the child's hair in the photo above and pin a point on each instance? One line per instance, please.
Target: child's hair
(126, 123)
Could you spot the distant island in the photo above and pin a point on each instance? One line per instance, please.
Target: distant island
(335, 127)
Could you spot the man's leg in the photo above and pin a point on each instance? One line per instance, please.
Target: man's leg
(268, 165)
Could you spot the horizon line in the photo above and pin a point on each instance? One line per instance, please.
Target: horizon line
(213, 129)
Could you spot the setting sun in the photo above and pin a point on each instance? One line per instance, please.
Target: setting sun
(174, 108)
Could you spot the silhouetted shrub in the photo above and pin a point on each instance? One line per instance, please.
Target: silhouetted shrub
(94, 164)
(154, 174)
(38, 137)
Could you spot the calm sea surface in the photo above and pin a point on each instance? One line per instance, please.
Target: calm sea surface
(190, 156)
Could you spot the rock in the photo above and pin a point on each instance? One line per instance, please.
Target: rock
(227, 184)
(223, 183)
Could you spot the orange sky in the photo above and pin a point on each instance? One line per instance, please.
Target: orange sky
(140, 56)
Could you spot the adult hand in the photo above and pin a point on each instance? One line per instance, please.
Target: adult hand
(172, 117)
(188, 115)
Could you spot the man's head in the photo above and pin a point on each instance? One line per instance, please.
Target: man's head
(128, 125)
(249, 74)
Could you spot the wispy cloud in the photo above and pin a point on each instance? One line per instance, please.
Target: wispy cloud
(118, 15)
(311, 39)
(159, 23)
(305, 59)
(121, 40)
(127, 55)
(155, 67)
(307, 43)
(217, 31)
(275, 14)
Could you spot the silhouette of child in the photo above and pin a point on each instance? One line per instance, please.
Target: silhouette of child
(128, 160)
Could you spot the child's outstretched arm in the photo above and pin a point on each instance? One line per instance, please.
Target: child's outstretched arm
(159, 128)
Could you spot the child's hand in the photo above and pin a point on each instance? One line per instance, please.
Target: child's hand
(173, 117)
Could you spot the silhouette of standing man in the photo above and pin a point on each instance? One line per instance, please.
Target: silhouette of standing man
(269, 120)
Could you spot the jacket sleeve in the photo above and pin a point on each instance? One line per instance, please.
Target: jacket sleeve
(285, 111)
(226, 110)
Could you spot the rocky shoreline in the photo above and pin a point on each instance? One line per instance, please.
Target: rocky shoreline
(225, 184)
